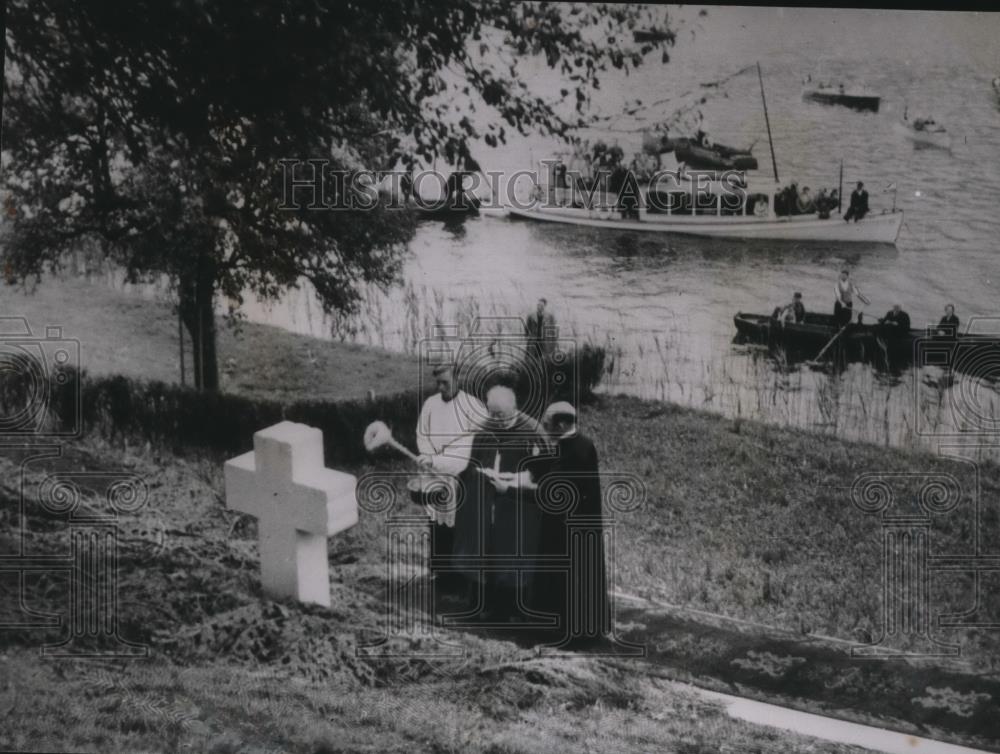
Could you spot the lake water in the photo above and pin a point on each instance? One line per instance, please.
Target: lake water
(664, 304)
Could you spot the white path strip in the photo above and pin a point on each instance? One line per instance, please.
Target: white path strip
(831, 729)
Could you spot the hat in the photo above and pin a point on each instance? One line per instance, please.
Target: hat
(561, 408)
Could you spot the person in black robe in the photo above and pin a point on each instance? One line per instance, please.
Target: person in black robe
(574, 584)
(497, 523)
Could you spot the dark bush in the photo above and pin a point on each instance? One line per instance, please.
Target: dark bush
(119, 408)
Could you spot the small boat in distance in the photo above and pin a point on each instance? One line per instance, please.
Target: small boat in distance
(856, 98)
(924, 132)
(651, 35)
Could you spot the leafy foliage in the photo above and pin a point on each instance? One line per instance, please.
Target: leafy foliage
(158, 128)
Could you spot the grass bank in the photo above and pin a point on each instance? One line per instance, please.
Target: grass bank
(122, 333)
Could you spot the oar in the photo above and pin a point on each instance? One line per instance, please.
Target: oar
(815, 361)
(836, 335)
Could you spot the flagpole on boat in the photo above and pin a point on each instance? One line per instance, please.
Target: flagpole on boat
(767, 122)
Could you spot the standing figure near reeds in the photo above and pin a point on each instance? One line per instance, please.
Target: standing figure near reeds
(540, 329)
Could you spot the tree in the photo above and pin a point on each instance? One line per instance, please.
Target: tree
(156, 128)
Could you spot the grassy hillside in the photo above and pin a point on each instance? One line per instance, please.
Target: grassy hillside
(229, 671)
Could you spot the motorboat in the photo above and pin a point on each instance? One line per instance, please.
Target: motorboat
(690, 204)
(924, 132)
(856, 98)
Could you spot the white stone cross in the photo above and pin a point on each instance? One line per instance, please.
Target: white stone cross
(297, 502)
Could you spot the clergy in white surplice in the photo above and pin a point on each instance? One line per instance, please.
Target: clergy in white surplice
(448, 422)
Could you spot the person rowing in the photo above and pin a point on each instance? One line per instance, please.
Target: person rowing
(843, 305)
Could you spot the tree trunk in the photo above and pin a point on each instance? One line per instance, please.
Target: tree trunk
(197, 305)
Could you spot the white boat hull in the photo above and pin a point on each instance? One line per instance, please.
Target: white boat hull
(882, 228)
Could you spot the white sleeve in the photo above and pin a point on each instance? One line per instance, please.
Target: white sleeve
(424, 430)
(455, 457)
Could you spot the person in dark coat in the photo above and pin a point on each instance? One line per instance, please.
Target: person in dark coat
(540, 330)
(859, 203)
(574, 585)
(948, 325)
(497, 523)
(896, 322)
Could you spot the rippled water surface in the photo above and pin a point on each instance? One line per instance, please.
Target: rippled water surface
(664, 304)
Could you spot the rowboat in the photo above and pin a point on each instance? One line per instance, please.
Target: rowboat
(856, 99)
(714, 209)
(810, 335)
(867, 342)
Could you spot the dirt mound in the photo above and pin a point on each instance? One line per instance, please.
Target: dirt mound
(560, 682)
(300, 641)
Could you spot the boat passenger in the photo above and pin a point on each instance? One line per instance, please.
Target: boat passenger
(843, 305)
(805, 203)
(794, 312)
(825, 202)
(948, 326)
(859, 204)
(895, 322)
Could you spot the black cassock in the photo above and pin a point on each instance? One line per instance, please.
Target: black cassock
(497, 534)
(573, 578)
